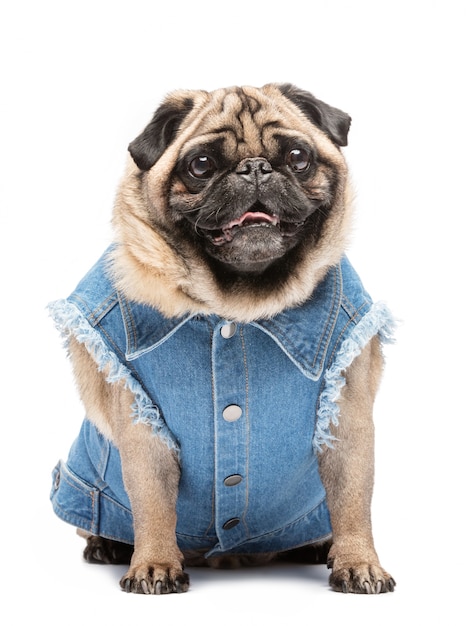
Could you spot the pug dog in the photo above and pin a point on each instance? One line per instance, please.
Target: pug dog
(226, 352)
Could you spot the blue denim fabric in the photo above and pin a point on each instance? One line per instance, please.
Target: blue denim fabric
(280, 376)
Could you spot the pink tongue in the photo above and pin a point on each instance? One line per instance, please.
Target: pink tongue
(257, 217)
(252, 216)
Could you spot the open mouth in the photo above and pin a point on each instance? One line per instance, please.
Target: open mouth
(256, 217)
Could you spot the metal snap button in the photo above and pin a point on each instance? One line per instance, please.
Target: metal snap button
(234, 479)
(232, 413)
(231, 523)
(57, 480)
(228, 330)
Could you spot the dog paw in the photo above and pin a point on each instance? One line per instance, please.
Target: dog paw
(361, 578)
(100, 550)
(155, 579)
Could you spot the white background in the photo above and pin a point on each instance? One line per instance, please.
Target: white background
(79, 80)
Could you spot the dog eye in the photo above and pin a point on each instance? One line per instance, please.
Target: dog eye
(298, 160)
(202, 167)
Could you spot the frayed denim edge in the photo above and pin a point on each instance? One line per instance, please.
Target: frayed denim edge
(70, 321)
(378, 320)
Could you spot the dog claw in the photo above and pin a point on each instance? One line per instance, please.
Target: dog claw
(150, 581)
(371, 580)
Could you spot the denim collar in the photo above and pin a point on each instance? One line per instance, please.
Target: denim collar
(303, 332)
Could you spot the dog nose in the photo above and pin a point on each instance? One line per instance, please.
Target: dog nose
(254, 170)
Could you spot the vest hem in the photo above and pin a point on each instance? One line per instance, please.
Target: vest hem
(71, 322)
(377, 321)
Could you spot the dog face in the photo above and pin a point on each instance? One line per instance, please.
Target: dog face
(248, 211)
(235, 202)
(254, 179)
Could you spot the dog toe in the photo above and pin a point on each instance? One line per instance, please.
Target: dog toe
(155, 580)
(362, 578)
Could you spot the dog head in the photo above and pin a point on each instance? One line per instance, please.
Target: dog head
(248, 184)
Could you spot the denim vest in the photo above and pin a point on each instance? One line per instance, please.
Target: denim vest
(246, 407)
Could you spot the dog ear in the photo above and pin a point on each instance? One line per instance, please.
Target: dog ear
(334, 122)
(149, 146)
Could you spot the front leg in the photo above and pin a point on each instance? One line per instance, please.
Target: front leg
(347, 471)
(151, 475)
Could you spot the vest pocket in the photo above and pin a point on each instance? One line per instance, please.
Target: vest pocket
(83, 505)
(74, 500)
